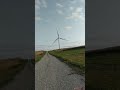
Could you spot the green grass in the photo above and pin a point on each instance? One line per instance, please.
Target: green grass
(38, 58)
(38, 55)
(9, 68)
(103, 68)
(74, 57)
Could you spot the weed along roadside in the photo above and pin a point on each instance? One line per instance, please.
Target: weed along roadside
(39, 55)
(74, 57)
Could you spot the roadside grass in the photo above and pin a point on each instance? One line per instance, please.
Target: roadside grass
(103, 68)
(39, 55)
(74, 57)
(9, 68)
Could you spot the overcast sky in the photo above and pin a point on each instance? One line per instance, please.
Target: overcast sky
(102, 24)
(66, 15)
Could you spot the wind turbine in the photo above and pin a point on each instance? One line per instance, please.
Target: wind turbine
(58, 38)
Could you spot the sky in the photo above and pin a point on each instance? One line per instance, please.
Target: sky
(65, 16)
(102, 28)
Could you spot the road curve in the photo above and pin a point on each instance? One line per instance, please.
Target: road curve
(52, 74)
(24, 80)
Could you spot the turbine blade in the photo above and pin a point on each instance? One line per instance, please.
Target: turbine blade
(55, 41)
(63, 39)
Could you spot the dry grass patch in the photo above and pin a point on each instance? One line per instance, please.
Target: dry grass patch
(39, 55)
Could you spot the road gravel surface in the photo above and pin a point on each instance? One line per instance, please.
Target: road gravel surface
(52, 74)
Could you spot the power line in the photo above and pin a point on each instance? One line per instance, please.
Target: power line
(77, 42)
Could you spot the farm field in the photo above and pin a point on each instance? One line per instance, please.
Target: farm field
(74, 57)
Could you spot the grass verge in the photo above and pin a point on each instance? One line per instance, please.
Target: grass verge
(74, 57)
(9, 68)
(39, 55)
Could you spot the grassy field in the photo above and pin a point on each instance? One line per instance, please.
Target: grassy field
(39, 55)
(9, 68)
(103, 67)
(73, 56)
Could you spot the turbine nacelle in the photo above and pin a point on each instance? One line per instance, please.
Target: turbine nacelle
(58, 39)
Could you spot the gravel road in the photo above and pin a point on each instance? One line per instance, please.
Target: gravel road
(52, 74)
(24, 80)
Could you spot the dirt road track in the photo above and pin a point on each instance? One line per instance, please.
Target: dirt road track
(52, 74)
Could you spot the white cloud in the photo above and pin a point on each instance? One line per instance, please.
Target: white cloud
(37, 18)
(59, 5)
(76, 1)
(60, 12)
(68, 27)
(73, 1)
(71, 8)
(76, 14)
(37, 2)
(83, 1)
(40, 3)
(78, 9)
(44, 3)
(37, 7)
